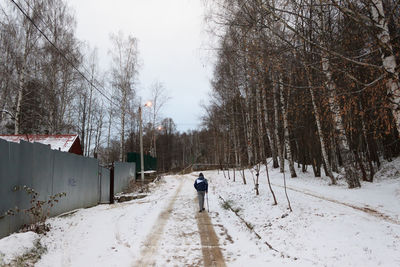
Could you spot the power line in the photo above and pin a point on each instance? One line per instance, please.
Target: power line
(59, 51)
(48, 27)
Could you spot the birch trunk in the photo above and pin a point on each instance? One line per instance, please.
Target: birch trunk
(388, 58)
(83, 124)
(320, 133)
(351, 174)
(270, 135)
(123, 108)
(99, 131)
(278, 141)
(252, 128)
(249, 136)
(235, 146)
(286, 130)
(368, 148)
(260, 126)
(21, 83)
(88, 127)
(109, 134)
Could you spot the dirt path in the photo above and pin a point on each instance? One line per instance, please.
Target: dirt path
(150, 245)
(212, 255)
(155, 251)
(367, 210)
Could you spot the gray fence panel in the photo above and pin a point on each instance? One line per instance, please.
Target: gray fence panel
(25, 167)
(14, 172)
(6, 184)
(124, 173)
(90, 181)
(65, 180)
(104, 185)
(42, 171)
(78, 178)
(48, 172)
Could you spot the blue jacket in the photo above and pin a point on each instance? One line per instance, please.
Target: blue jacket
(201, 184)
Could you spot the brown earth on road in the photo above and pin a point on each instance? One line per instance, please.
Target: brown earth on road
(212, 255)
(151, 243)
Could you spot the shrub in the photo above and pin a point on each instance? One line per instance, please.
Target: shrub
(38, 211)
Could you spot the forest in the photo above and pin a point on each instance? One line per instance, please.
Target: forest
(315, 82)
(312, 81)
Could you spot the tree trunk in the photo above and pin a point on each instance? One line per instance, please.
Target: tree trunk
(278, 141)
(286, 129)
(83, 130)
(260, 126)
(21, 84)
(388, 58)
(320, 133)
(243, 176)
(368, 148)
(121, 148)
(249, 136)
(346, 154)
(270, 135)
(109, 135)
(269, 184)
(89, 122)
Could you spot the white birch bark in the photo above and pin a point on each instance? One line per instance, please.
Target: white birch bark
(351, 174)
(286, 130)
(249, 131)
(320, 133)
(321, 138)
(270, 134)
(21, 84)
(278, 141)
(260, 125)
(123, 109)
(87, 142)
(388, 57)
(233, 132)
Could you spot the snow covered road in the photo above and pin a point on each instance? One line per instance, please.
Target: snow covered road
(159, 230)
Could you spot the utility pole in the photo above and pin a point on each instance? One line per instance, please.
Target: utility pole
(148, 104)
(141, 145)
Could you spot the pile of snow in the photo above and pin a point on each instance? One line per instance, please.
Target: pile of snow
(388, 170)
(16, 245)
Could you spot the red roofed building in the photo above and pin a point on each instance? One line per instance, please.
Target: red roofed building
(63, 142)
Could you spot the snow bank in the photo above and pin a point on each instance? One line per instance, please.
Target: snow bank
(16, 245)
(323, 229)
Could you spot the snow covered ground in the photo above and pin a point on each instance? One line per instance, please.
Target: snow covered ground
(329, 225)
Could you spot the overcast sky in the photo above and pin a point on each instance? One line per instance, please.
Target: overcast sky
(170, 34)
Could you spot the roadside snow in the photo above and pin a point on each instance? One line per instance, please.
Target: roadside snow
(16, 245)
(318, 232)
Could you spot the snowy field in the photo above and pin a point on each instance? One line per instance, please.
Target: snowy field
(329, 225)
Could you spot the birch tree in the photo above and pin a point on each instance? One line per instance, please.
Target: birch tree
(124, 71)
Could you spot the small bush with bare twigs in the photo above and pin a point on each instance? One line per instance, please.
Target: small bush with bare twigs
(38, 211)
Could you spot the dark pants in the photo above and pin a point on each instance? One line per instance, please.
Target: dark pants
(200, 195)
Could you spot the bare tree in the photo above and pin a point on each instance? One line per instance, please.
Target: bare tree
(159, 97)
(124, 70)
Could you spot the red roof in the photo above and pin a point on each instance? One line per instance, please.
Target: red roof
(63, 142)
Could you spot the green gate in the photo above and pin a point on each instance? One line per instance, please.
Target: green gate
(150, 163)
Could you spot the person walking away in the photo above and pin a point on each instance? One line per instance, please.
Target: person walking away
(201, 186)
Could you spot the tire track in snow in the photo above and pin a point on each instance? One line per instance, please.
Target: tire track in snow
(367, 210)
(212, 255)
(147, 255)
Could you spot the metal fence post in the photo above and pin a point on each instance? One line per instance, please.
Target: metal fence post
(112, 184)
